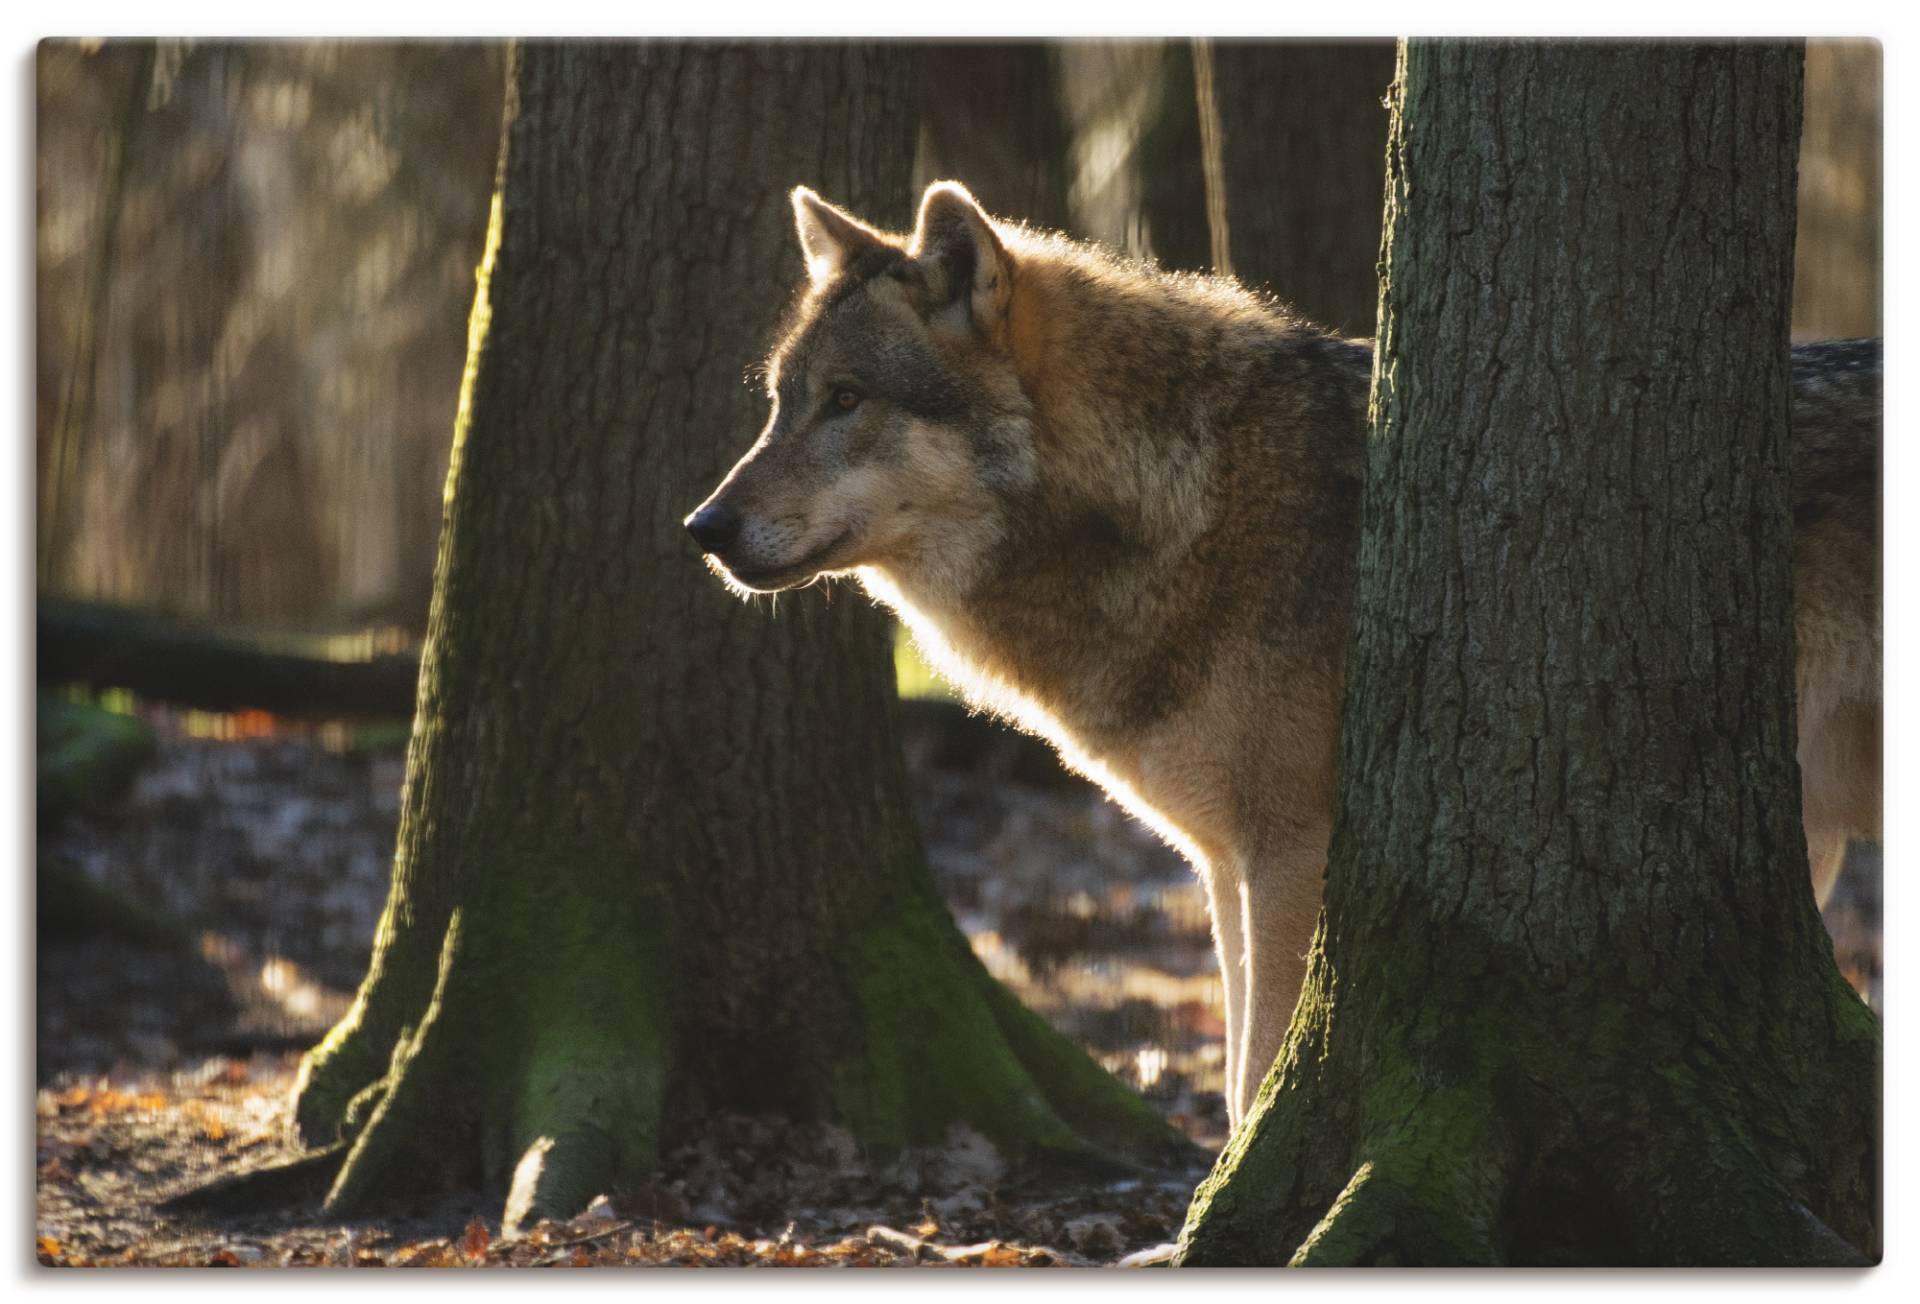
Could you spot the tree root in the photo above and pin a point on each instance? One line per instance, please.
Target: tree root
(396, 1145)
(571, 1115)
(1733, 1220)
(589, 1121)
(1118, 1133)
(551, 1084)
(332, 1092)
(1428, 1193)
(332, 1075)
(1435, 1189)
(1425, 1188)
(1381, 1221)
(556, 1177)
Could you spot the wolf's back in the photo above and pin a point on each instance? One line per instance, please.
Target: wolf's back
(1836, 430)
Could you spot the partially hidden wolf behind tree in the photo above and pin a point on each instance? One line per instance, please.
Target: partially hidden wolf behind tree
(1120, 508)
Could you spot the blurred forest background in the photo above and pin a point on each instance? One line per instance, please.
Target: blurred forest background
(256, 260)
(255, 265)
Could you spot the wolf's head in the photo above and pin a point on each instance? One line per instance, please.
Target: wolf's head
(899, 427)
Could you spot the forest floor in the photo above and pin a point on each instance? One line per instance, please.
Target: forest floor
(746, 1192)
(247, 864)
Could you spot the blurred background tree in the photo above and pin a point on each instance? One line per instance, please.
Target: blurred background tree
(255, 261)
(1836, 260)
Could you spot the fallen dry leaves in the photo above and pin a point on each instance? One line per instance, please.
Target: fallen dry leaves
(743, 1193)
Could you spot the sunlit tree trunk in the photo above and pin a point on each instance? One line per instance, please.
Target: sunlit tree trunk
(656, 855)
(1570, 1001)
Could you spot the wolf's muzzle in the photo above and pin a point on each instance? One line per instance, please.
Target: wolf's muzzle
(714, 527)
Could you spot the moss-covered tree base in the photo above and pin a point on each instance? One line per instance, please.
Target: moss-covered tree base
(555, 1084)
(1546, 1128)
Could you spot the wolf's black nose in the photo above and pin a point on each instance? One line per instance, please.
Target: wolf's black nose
(714, 527)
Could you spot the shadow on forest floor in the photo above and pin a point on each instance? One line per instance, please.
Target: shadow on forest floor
(166, 1051)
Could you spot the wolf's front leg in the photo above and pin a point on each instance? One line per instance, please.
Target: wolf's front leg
(1226, 903)
(1282, 905)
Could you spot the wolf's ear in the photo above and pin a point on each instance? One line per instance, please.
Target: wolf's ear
(960, 255)
(829, 237)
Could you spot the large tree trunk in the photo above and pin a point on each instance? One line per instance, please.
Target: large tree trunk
(990, 117)
(656, 854)
(1570, 1001)
(1303, 151)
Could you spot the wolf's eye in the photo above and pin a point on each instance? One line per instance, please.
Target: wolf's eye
(845, 398)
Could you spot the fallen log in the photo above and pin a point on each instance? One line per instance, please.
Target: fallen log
(313, 676)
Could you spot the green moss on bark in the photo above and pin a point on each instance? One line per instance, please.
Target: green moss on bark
(1571, 1002)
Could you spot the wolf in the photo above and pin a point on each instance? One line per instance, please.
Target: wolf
(1120, 508)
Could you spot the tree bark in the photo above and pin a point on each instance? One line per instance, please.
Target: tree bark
(1303, 145)
(1570, 1001)
(656, 857)
(990, 118)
